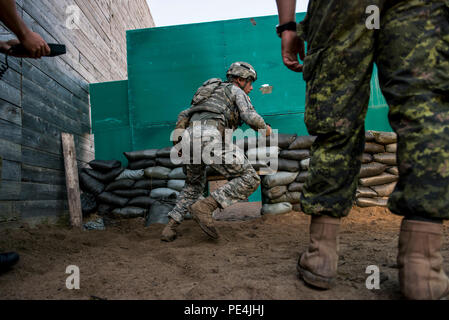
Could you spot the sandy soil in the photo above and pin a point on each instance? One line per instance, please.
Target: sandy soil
(253, 259)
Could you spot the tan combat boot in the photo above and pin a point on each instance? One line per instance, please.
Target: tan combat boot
(421, 274)
(169, 233)
(201, 212)
(318, 265)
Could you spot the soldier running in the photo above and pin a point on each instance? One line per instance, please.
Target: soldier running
(215, 107)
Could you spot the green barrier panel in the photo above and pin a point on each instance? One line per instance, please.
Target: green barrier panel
(110, 144)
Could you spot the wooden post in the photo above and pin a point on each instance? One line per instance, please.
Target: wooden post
(72, 181)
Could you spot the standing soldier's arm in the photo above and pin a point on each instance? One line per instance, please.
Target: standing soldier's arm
(183, 120)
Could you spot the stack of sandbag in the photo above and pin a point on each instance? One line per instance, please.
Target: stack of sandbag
(93, 182)
(282, 191)
(379, 173)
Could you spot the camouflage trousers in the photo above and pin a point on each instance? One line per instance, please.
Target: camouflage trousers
(243, 180)
(411, 51)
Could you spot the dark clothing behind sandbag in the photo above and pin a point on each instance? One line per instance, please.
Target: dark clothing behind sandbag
(104, 177)
(141, 164)
(164, 153)
(110, 198)
(159, 211)
(132, 193)
(88, 203)
(299, 154)
(142, 202)
(141, 154)
(289, 165)
(90, 184)
(150, 184)
(166, 162)
(129, 212)
(302, 142)
(120, 185)
(105, 165)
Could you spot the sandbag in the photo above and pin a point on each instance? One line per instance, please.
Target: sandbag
(393, 170)
(393, 148)
(262, 153)
(281, 178)
(371, 169)
(140, 155)
(278, 208)
(88, 203)
(367, 158)
(159, 211)
(120, 184)
(302, 176)
(164, 152)
(295, 187)
(90, 184)
(285, 140)
(177, 185)
(385, 137)
(384, 178)
(372, 147)
(105, 209)
(104, 177)
(129, 212)
(291, 197)
(157, 173)
(150, 184)
(105, 165)
(305, 164)
(289, 165)
(177, 174)
(141, 164)
(132, 193)
(299, 154)
(384, 190)
(112, 199)
(387, 158)
(369, 136)
(297, 207)
(274, 192)
(131, 174)
(166, 162)
(142, 202)
(365, 192)
(372, 202)
(302, 142)
(260, 165)
(163, 193)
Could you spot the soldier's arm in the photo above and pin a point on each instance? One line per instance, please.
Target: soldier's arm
(183, 120)
(247, 111)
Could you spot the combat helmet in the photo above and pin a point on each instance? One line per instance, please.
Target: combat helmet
(243, 70)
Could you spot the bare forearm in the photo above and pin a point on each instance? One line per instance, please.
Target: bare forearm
(10, 17)
(286, 10)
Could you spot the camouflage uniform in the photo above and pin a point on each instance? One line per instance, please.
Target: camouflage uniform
(411, 50)
(244, 180)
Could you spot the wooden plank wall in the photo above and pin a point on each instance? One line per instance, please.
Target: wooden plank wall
(39, 99)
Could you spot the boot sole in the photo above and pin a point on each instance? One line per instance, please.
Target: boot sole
(315, 280)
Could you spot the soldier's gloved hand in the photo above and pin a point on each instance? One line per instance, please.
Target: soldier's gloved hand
(269, 131)
(292, 45)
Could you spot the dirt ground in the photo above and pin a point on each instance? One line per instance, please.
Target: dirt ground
(253, 259)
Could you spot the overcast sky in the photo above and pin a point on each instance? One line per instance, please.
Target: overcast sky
(173, 12)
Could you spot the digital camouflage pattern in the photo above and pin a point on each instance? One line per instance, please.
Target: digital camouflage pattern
(243, 179)
(411, 50)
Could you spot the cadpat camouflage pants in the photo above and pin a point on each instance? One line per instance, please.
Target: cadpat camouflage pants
(243, 179)
(411, 51)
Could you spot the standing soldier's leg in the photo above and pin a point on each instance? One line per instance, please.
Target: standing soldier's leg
(193, 189)
(338, 69)
(413, 60)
